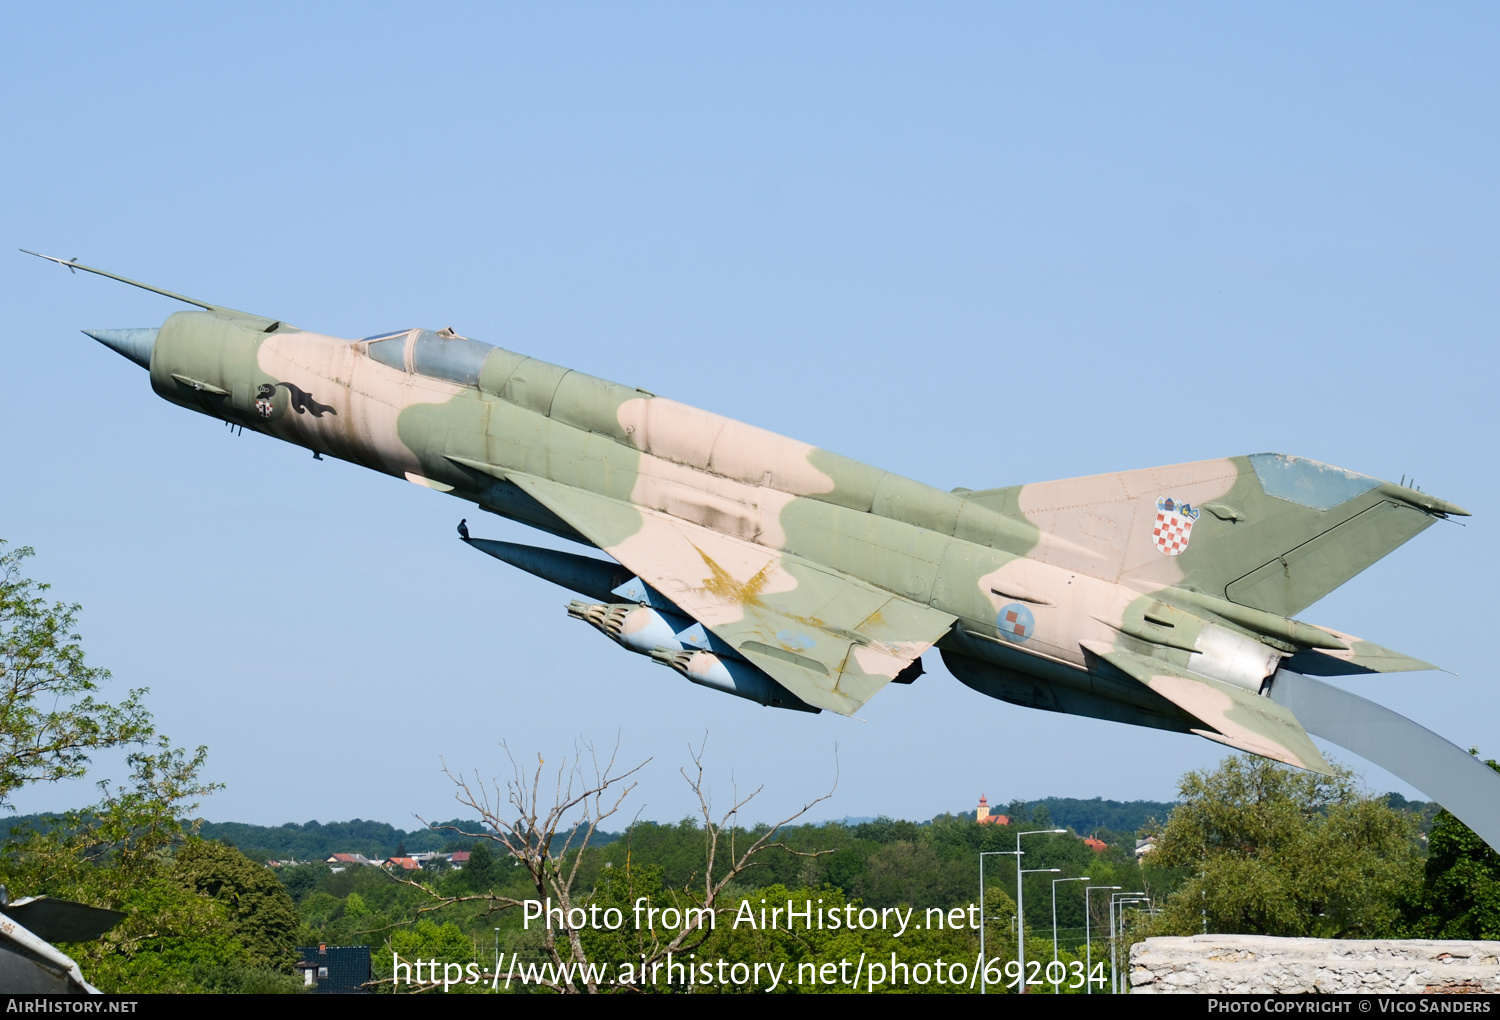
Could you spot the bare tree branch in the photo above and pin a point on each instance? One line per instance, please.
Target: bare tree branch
(547, 841)
(693, 933)
(547, 835)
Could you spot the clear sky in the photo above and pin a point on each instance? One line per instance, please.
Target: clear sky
(976, 244)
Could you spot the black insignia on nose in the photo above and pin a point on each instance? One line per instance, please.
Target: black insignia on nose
(302, 401)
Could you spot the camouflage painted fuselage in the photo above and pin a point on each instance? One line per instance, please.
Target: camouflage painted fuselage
(1159, 597)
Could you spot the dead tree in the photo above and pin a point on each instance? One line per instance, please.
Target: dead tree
(705, 898)
(548, 841)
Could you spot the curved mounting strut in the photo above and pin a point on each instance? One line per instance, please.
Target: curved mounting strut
(1463, 784)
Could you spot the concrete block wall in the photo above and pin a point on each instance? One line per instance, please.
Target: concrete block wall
(1251, 964)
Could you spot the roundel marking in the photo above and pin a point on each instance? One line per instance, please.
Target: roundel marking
(795, 640)
(1015, 622)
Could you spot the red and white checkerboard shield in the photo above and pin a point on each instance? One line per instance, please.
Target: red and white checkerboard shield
(1173, 527)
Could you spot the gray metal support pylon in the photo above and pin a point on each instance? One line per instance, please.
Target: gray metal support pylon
(1463, 784)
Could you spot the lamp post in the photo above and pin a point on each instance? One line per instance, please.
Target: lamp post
(1088, 941)
(1020, 905)
(1150, 909)
(983, 960)
(1117, 900)
(1085, 878)
(497, 950)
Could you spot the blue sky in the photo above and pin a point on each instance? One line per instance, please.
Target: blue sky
(975, 244)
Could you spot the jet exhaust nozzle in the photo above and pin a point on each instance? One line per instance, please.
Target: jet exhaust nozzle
(135, 344)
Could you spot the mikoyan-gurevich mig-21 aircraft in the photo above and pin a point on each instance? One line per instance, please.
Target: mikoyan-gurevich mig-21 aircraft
(769, 569)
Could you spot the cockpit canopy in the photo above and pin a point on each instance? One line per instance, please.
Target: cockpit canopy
(439, 355)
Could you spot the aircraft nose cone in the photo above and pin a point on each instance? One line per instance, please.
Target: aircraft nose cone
(135, 344)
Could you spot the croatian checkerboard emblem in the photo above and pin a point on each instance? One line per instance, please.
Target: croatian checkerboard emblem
(1015, 622)
(1174, 525)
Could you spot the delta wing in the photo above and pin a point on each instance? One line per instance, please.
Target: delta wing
(830, 639)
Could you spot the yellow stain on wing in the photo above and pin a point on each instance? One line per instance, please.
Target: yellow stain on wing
(723, 585)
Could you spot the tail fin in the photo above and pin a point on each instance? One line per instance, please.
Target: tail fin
(1268, 531)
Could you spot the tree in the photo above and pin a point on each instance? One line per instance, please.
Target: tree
(1460, 894)
(479, 873)
(637, 950)
(50, 719)
(198, 917)
(260, 912)
(547, 835)
(1271, 850)
(100, 853)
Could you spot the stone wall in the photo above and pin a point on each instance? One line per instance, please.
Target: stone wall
(1250, 964)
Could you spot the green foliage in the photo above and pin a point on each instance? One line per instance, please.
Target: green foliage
(428, 939)
(301, 879)
(480, 873)
(878, 864)
(317, 841)
(808, 950)
(1460, 894)
(1336, 857)
(1099, 815)
(103, 852)
(50, 720)
(1271, 850)
(198, 916)
(260, 912)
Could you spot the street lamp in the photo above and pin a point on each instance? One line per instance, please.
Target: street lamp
(1085, 878)
(1150, 909)
(1088, 942)
(1021, 925)
(1119, 899)
(1020, 905)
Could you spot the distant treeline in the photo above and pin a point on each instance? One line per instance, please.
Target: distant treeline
(311, 841)
(316, 841)
(1118, 818)
(1088, 816)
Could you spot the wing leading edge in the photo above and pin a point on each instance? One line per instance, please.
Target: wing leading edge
(830, 639)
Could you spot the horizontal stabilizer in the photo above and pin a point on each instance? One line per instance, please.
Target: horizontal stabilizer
(1242, 719)
(1321, 651)
(1362, 657)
